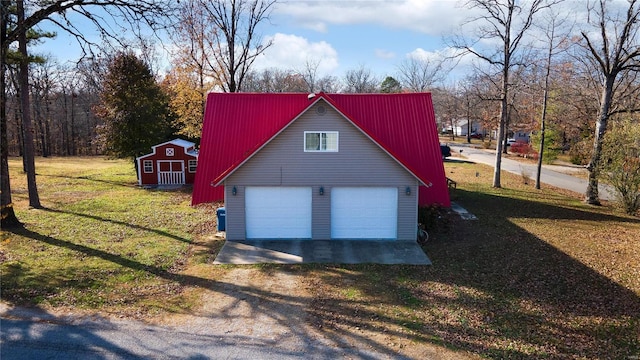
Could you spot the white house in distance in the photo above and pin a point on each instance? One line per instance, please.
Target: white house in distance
(461, 126)
(521, 135)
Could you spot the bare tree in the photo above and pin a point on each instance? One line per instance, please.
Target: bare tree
(446, 102)
(555, 36)
(471, 102)
(328, 84)
(309, 73)
(486, 90)
(275, 80)
(360, 80)
(420, 74)
(508, 22)
(194, 67)
(42, 86)
(194, 37)
(137, 13)
(613, 50)
(237, 42)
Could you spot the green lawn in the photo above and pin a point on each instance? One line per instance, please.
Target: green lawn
(539, 275)
(100, 242)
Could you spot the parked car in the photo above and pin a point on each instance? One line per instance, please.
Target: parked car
(445, 150)
(475, 135)
(511, 142)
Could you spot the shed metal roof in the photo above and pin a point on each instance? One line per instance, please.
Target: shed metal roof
(187, 145)
(236, 125)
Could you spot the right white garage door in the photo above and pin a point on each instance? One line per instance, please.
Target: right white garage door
(364, 213)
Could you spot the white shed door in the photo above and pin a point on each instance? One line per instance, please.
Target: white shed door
(364, 213)
(278, 212)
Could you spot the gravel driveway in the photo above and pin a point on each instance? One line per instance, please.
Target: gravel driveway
(249, 315)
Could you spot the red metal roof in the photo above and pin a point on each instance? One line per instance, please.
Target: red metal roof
(238, 124)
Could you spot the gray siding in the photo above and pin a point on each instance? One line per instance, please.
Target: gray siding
(359, 162)
(235, 216)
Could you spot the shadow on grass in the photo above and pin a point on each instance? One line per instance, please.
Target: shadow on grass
(493, 289)
(186, 188)
(116, 259)
(122, 223)
(457, 161)
(286, 311)
(92, 179)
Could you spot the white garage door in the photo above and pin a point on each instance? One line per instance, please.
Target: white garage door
(364, 213)
(278, 212)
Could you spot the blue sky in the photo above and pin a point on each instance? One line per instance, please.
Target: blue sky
(376, 34)
(340, 34)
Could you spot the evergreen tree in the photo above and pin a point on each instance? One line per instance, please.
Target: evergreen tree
(133, 107)
(390, 86)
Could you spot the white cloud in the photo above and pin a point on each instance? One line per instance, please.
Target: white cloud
(293, 52)
(384, 54)
(421, 54)
(426, 16)
(441, 54)
(453, 61)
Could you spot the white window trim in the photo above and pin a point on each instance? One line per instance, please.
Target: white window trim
(304, 145)
(169, 152)
(194, 167)
(144, 166)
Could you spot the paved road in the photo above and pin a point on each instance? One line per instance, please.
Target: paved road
(45, 337)
(547, 176)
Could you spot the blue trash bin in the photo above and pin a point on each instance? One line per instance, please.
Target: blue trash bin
(221, 213)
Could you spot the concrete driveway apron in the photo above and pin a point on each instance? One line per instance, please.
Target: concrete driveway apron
(322, 251)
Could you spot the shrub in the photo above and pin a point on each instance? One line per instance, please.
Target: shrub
(580, 152)
(552, 144)
(523, 149)
(432, 216)
(620, 163)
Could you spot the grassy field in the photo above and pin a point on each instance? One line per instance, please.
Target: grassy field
(539, 275)
(100, 242)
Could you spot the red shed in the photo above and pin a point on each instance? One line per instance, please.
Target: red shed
(171, 163)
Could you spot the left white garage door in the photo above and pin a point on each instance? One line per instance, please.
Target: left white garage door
(278, 212)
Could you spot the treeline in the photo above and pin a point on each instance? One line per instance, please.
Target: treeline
(62, 101)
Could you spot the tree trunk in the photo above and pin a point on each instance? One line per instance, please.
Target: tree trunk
(505, 138)
(591, 195)
(34, 199)
(468, 126)
(541, 152)
(503, 121)
(47, 130)
(499, 144)
(543, 118)
(504, 92)
(7, 215)
(73, 124)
